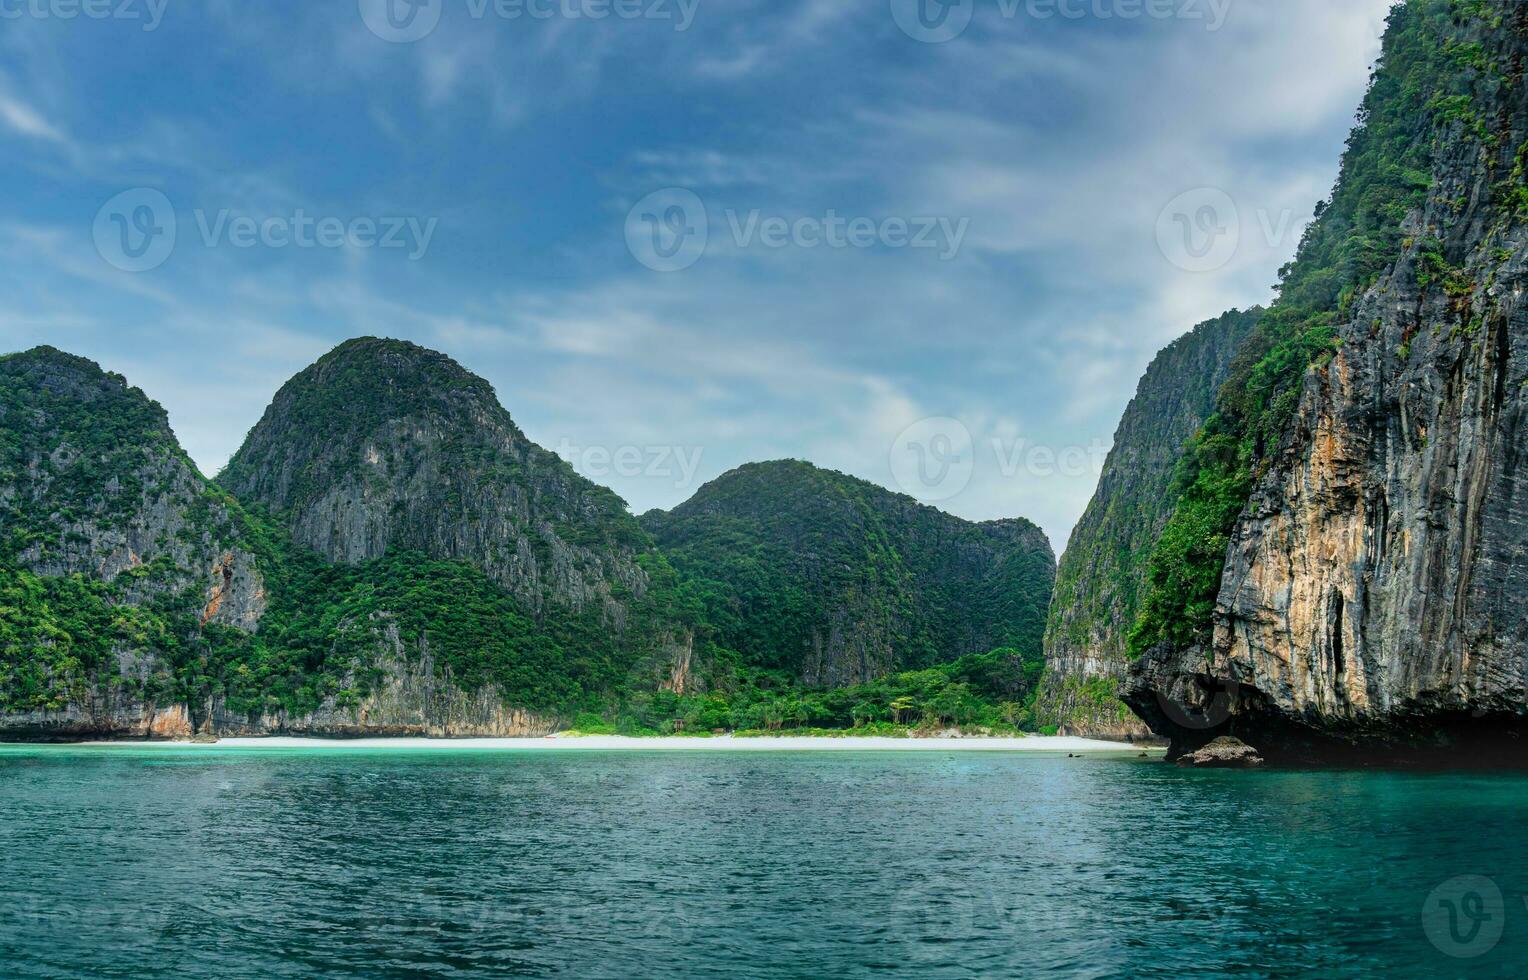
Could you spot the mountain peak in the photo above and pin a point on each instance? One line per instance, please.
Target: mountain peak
(777, 475)
(339, 412)
(385, 445)
(47, 352)
(49, 363)
(68, 397)
(401, 369)
(387, 349)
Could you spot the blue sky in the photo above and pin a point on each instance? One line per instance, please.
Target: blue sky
(1087, 188)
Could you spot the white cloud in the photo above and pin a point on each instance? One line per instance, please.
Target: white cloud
(1061, 149)
(27, 121)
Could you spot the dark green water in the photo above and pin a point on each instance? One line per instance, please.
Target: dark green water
(133, 862)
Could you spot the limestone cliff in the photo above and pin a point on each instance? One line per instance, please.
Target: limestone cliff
(115, 553)
(1373, 596)
(1103, 569)
(382, 445)
(410, 696)
(402, 469)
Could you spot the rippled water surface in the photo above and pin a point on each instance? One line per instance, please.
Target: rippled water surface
(208, 862)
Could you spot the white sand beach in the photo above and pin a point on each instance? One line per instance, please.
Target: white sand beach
(719, 743)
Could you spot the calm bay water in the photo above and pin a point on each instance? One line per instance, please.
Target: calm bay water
(133, 861)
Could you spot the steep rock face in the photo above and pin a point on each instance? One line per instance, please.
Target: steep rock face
(93, 483)
(1102, 572)
(410, 694)
(382, 445)
(410, 697)
(1373, 600)
(113, 549)
(839, 581)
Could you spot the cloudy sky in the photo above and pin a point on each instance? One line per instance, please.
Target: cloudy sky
(932, 247)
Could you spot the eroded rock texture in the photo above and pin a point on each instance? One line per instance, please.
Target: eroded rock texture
(382, 445)
(1103, 570)
(114, 551)
(95, 484)
(1375, 597)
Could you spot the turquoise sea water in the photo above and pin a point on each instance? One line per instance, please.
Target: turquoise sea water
(209, 862)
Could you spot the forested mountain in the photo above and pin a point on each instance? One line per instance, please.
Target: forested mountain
(839, 581)
(116, 557)
(385, 446)
(408, 562)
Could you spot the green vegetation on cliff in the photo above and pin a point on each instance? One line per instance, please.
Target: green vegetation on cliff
(838, 581)
(106, 528)
(57, 635)
(72, 438)
(111, 589)
(1103, 571)
(1424, 85)
(129, 582)
(452, 534)
(334, 630)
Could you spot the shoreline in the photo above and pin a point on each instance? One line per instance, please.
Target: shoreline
(619, 743)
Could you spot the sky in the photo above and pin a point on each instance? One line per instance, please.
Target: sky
(930, 243)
